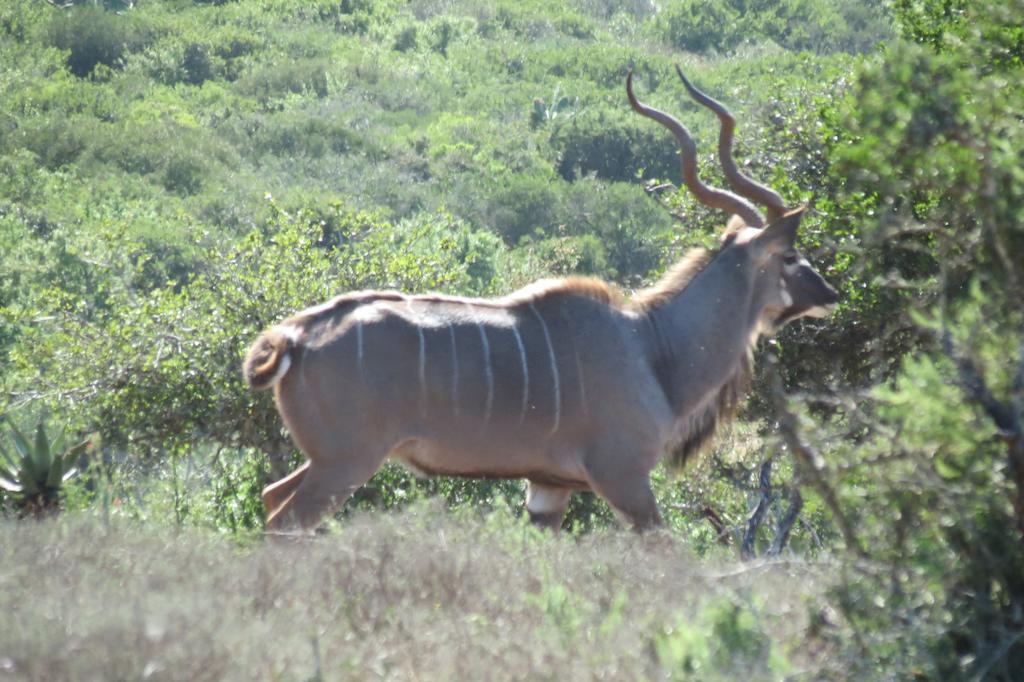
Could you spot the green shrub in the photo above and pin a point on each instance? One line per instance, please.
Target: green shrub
(35, 472)
(613, 145)
(300, 133)
(700, 26)
(293, 76)
(95, 36)
(522, 204)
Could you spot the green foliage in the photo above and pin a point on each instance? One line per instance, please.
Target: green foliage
(722, 25)
(700, 26)
(612, 145)
(926, 149)
(990, 30)
(92, 36)
(725, 642)
(940, 513)
(37, 471)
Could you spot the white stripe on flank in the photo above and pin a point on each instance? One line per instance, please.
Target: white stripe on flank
(423, 357)
(579, 375)
(554, 368)
(526, 373)
(488, 372)
(359, 345)
(455, 370)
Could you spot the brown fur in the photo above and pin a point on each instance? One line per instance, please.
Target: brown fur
(587, 287)
(727, 401)
(674, 280)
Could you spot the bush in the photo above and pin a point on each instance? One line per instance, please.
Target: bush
(95, 36)
(295, 76)
(613, 145)
(522, 204)
(928, 462)
(700, 26)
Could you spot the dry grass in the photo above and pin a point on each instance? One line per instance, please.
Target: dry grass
(417, 595)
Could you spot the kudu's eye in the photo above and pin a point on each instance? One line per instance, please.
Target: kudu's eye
(790, 259)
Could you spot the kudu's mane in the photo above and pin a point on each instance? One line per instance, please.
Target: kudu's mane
(698, 429)
(672, 283)
(546, 289)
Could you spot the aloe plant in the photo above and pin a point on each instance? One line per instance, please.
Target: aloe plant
(37, 470)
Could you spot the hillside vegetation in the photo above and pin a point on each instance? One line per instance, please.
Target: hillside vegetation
(176, 176)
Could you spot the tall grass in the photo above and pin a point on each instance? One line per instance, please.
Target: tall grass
(421, 594)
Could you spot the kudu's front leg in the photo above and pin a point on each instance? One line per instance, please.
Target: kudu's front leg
(626, 487)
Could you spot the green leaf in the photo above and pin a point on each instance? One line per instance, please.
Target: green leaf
(55, 473)
(57, 443)
(9, 485)
(61, 470)
(12, 466)
(44, 458)
(20, 444)
(75, 450)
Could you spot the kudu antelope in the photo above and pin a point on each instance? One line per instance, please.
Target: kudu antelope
(563, 383)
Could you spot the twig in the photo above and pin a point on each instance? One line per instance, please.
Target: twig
(1004, 648)
(1005, 416)
(796, 505)
(810, 461)
(706, 511)
(748, 549)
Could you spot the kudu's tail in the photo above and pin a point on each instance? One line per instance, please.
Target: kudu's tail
(268, 359)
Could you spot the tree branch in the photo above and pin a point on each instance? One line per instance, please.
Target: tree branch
(809, 461)
(796, 505)
(748, 549)
(1005, 416)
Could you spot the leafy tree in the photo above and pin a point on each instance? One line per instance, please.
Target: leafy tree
(930, 461)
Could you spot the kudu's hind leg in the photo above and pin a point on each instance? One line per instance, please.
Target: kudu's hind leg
(323, 488)
(547, 505)
(277, 492)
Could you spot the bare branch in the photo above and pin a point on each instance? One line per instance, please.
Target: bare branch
(708, 512)
(796, 505)
(809, 461)
(748, 549)
(1005, 416)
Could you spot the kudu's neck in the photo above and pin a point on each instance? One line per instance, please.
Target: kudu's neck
(702, 334)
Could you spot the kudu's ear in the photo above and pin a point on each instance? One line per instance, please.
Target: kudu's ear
(781, 234)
